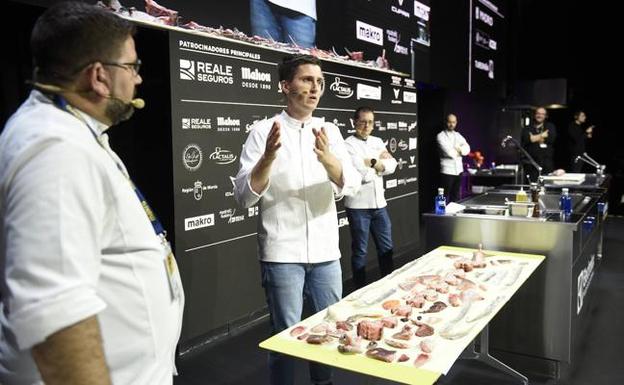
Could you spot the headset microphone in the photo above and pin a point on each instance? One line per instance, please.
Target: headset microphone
(137, 103)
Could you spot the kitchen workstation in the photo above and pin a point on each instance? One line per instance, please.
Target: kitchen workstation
(562, 218)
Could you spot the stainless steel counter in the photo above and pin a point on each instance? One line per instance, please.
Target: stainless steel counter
(546, 316)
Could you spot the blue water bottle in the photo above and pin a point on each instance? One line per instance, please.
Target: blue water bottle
(440, 202)
(565, 202)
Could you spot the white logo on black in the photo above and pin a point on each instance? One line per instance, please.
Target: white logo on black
(192, 157)
(187, 69)
(221, 156)
(341, 89)
(393, 145)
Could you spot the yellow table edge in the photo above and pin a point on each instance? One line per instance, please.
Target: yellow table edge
(391, 371)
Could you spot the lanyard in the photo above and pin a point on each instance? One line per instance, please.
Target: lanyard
(61, 103)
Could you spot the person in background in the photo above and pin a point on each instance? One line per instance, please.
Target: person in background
(286, 21)
(538, 139)
(90, 289)
(366, 210)
(452, 146)
(578, 133)
(292, 166)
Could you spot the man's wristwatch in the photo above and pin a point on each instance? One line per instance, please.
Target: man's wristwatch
(373, 162)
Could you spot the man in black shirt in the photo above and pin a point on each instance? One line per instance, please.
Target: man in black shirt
(578, 132)
(538, 139)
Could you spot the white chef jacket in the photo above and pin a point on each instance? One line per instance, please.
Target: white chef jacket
(450, 161)
(75, 242)
(307, 7)
(298, 221)
(371, 194)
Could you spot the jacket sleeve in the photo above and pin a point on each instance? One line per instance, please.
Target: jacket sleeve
(465, 147)
(367, 173)
(446, 148)
(351, 178)
(390, 164)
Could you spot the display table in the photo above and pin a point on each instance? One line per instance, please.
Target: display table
(439, 303)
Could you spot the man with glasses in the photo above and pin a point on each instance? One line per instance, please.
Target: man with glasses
(90, 289)
(366, 210)
(538, 139)
(292, 166)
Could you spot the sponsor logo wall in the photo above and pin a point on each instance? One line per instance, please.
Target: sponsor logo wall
(487, 27)
(221, 89)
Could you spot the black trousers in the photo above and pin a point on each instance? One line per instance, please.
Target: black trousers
(451, 185)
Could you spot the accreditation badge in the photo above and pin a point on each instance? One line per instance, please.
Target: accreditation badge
(171, 267)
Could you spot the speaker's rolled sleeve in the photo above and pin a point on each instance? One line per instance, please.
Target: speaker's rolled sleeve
(53, 222)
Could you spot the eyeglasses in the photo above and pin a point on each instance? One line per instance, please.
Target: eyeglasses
(135, 66)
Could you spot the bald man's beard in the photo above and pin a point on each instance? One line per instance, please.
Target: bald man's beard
(118, 111)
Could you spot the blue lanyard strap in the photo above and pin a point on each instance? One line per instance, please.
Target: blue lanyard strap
(61, 103)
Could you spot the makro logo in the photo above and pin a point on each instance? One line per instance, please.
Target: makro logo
(341, 89)
(249, 74)
(484, 17)
(196, 124)
(198, 222)
(192, 157)
(206, 72)
(369, 33)
(391, 183)
(198, 189)
(221, 156)
(421, 10)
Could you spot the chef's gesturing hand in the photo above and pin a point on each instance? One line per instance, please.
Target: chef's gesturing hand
(273, 142)
(324, 155)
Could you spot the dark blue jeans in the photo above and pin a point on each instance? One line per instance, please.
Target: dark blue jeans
(376, 222)
(280, 24)
(285, 285)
